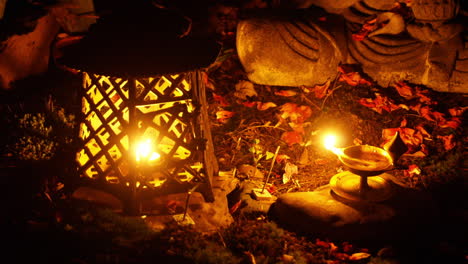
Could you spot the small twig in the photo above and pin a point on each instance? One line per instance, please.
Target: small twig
(271, 167)
(310, 102)
(222, 239)
(251, 257)
(333, 88)
(237, 149)
(261, 126)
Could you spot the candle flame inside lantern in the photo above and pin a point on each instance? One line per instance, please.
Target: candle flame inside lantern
(143, 151)
(329, 142)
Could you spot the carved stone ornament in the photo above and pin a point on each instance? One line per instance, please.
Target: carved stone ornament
(304, 45)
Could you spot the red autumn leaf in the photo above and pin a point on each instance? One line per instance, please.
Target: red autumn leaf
(236, 206)
(271, 189)
(352, 78)
(404, 90)
(208, 83)
(411, 137)
(295, 113)
(291, 137)
(379, 103)
(423, 98)
(321, 90)
(412, 171)
(220, 99)
(449, 142)
(347, 247)
(282, 157)
(286, 93)
(423, 131)
(223, 115)
(321, 243)
(249, 104)
(454, 123)
(366, 28)
(457, 111)
(427, 113)
(297, 127)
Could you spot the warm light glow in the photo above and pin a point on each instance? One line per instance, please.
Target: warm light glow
(329, 142)
(143, 151)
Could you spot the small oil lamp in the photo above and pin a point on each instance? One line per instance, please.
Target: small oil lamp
(365, 178)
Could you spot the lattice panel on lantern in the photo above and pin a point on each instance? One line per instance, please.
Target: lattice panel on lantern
(164, 113)
(106, 115)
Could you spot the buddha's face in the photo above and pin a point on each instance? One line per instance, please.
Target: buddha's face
(435, 10)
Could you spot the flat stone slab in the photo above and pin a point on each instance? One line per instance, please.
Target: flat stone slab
(323, 213)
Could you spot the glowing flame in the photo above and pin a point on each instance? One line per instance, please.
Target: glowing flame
(329, 142)
(144, 151)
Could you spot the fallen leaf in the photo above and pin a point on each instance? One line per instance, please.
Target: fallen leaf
(412, 171)
(351, 77)
(454, 123)
(289, 170)
(449, 142)
(423, 131)
(359, 255)
(286, 93)
(223, 116)
(295, 113)
(321, 90)
(367, 27)
(404, 90)
(244, 90)
(282, 157)
(321, 243)
(379, 104)
(236, 206)
(249, 104)
(264, 106)
(291, 137)
(457, 111)
(220, 99)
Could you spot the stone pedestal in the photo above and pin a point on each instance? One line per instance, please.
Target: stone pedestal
(407, 214)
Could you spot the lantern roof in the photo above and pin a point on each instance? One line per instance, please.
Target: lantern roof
(140, 40)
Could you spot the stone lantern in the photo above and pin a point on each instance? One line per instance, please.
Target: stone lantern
(145, 127)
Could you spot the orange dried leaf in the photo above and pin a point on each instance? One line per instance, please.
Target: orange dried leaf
(264, 106)
(359, 255)
(220, 99)
(291, 137)
(379, 103)
(223, 115)
(457, 111)
(366, 28)
(404, 90)
(295, 113)
(249, 104)
(286, 93)
(321, 90)
(449, 142)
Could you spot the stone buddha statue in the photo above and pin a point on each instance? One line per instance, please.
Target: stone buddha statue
(304, 42)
